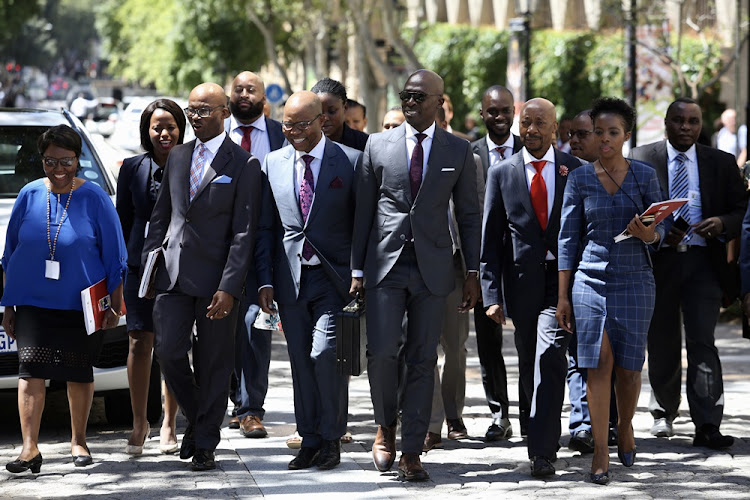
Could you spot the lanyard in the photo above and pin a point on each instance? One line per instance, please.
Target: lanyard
(53, 246)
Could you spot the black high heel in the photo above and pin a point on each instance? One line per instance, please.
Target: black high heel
(16, 466)
(627, 458)
(601, 478)
(83, 460)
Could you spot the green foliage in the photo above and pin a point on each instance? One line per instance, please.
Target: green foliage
(13, 15)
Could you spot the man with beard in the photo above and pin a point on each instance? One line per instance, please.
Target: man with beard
(497, 111)
(519, 272)
(249, 128)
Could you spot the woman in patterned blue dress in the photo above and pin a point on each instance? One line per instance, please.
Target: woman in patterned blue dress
(613, 290)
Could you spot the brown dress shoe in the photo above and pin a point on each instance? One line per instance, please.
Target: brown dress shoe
(456, 429)
(432, 440)
(234, 423)
(410, 468)
(252, 427)
(384, 448)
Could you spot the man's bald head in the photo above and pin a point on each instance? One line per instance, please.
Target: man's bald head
(424, 95)
(247, 97)
(537, 126)
(207, 98)
(302, 120)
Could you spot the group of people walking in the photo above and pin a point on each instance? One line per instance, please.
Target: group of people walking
(306, 213)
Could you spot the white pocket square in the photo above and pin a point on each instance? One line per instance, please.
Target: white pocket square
(222, 179)
(447, 169)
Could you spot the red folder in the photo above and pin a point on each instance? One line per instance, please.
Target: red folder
(95, 301)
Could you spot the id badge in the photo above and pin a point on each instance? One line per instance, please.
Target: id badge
(52, 270)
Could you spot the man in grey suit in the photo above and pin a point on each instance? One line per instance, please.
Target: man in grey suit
(207, 211)
(402, 246)
(497, 112)
(692, 274)
(522, 209)
(258, 135)
(302, 260)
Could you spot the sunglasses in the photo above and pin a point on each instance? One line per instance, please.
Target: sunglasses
(405, 95)
(52, 162)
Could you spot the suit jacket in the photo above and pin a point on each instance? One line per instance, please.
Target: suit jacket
(354, 138)
(457, 246)
(210, 238)
(385, 209)
(134, 205)
(723, 195)
(282, 231)
(514, 245)
(480, 147)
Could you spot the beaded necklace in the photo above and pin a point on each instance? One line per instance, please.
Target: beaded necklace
(53, 246)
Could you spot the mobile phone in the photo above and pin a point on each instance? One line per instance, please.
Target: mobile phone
(681, 224)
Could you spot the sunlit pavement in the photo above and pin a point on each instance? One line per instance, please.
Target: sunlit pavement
(665, 468)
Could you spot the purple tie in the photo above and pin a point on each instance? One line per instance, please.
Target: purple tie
(196, 170)
(306, 191)
(415, 166)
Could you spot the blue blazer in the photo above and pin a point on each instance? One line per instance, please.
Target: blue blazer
(282, 231)
(134, 205)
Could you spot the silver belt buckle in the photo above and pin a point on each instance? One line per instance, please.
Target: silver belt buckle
(682, 248)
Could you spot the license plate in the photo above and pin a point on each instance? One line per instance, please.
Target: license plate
(7, 344)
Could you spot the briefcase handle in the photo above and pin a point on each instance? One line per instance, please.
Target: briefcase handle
(356, 305)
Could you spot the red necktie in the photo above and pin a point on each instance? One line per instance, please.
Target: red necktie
(501, 150)
(539, 193)
(246, 142)
(415, 166)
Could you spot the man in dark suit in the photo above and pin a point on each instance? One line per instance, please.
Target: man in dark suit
(258, 135)
(497, 112)
(692, 274)
(207, 211)
(402, 246)
(519, 267)
(302, 258)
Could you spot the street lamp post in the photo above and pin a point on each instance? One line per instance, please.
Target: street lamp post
(523, 25)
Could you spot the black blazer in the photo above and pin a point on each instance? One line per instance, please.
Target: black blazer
(134, 205)
(353, 138)
(723, 195)
(480, 147)
(275, 135)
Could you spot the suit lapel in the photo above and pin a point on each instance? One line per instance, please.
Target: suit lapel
(396, 157)
(325, 177)
(183, 177)
(285, 183)
(223, 155)
(660, 164)
(705, 178)
(434, 162)
(521, 187)
(559, 189)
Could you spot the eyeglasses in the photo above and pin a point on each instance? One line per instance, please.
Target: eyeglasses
(300, 126)
(581, 134)
(202, 112)
(405, 95)
(50, 161)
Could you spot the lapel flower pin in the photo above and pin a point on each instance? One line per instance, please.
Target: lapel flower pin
(563, 171)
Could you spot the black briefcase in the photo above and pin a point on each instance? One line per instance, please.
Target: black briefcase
(351, 339)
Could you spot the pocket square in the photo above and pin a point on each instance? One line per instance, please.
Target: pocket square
(447, 169)
(336, 183)
(222, 179)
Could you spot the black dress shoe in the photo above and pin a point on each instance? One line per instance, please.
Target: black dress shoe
(710, 437)
(203, 460)
(329, 455)
(582, 441)
(612, 437)
(187, 449)
(82, 460)
(305, 459)
(499, 430)
(541, 467)
(16, 466)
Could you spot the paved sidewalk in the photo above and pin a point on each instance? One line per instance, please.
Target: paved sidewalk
(248, 468)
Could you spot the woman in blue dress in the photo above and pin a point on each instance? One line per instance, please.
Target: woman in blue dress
(613, 290)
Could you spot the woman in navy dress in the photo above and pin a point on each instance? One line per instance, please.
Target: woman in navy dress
(613, 291)
(162, 127)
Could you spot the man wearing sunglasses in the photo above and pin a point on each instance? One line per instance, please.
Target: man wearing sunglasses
(402, 247)
(207, 211)
(302, 260)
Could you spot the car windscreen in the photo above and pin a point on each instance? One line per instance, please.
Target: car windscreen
(21, 163)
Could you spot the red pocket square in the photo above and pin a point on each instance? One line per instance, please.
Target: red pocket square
(336, 183)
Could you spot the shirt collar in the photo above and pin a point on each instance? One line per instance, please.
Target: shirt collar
(411, 131)
(690, 153)
(260, 123)
(507, 144)
(214, 144)
(549, 156)
(316, 152)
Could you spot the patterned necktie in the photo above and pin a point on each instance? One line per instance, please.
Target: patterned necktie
(415, 166)
(679, 189)
(196, 170)
(539, 193)
(246, 142)
(306, 191)
(501, 151)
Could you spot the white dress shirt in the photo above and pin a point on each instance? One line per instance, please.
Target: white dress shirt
(695, 211)
(411, 142)
(495, 157)
(212, 146)
(260, 145)
(299, 174)
(548, 174)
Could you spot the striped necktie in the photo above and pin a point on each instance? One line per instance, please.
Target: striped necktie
(196, 170)
(679, 189)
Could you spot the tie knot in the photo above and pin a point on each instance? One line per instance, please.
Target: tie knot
(501, 150)
(681, 158)
(201, 149)
(308, 160)
(246, 129)
(539, 165)
(420, 137)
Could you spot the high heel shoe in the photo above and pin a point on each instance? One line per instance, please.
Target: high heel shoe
(16, 466)
(134, 449)
(600, 478)
(83, 460)
(627, 458)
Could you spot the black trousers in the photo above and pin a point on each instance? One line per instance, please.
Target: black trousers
(492, 363)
